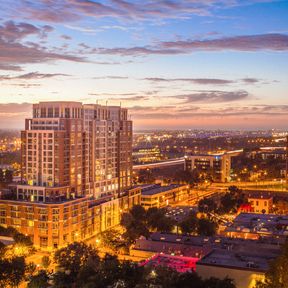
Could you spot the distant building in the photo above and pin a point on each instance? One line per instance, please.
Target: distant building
(272, 227)
(155, 195)
(261, 204)
(217, 165)
(147, 155)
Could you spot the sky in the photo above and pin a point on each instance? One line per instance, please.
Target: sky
(185, 64)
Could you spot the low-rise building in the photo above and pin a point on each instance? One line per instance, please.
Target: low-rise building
(52, 225)
(245, 261)
(272, 227)
(244, 268)
(261, 203)
(159, 196)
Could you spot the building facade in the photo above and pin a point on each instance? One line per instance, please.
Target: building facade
(217, 165)
(76, 169)
(155, 195)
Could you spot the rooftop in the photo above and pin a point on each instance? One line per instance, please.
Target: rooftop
(154, 189)
(244, 260)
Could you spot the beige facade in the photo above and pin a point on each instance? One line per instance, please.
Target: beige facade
(261, 204)
(53, 225)
(76, 169)
(244, 278)
(162, 196)
(217, 165)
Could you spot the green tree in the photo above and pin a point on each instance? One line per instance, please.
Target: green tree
(74, 256)
(158, 221)
(146, 176)
(277, 276)
(191, 178)
(207, 205)
(111, 239)
(206, 227)
(45, 261)
(22, 239)
(189, 224)
(219, 283)
(40, 280)
(135, 224)
(12, 271)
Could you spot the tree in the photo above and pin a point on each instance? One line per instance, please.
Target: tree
(277, 276)
(207, 205)
(40, 280)
(146, 176)
(75, 256)
(191, 178)
(206, 227)
(111, 239)
(189, 224)
(219, 283)
(232, 200)
(135, 224)
(157, 220)
(185, 279)
(12, 271)
(22, 240)
(45, 261)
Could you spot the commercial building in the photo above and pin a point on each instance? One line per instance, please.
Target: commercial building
(76, 173)
(217, 165)
(245, 268)
(261, 203)
(144, 155)
(155, 195)
(268, 227)
(245, 261)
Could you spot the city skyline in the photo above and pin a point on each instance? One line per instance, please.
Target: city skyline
(173, 64)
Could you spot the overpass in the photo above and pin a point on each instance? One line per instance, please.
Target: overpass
(170, 162)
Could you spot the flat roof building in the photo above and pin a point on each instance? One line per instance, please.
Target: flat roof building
(216, 165)
(155, 195)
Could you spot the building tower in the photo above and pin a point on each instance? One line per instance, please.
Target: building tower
(76, 169)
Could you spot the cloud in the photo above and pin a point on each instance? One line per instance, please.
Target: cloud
(111, 77)
(204, 81)
(12, 115)
(14, 53)
(113, 94)
(66, 37)
(168, 112)
(249, 43)
(275, 42)
(32, 75)
(250, 80)
(213, 96)
(64, 11)
(11, 31)
(131, 99)
(15, 107)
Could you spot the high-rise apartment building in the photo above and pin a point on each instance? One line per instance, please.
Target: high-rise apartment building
(82, 150)
(76, 167)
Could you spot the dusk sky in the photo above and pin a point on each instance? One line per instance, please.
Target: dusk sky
(175, 64)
